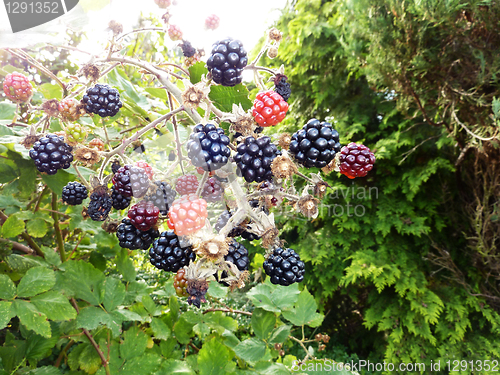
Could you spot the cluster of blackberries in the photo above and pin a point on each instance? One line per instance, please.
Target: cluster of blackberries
(167, 253)
(163, 196)
(207, 147)
(284, 267)
(254, 158)
(102, 100)
(132, 238)
(74, 193)
(316, 144)
(131, 181)
(50, 154)
(227, 61)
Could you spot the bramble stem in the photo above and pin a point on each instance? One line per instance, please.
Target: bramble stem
(55, 216)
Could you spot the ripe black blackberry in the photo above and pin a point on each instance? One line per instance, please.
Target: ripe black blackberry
(227, 61)
(212, 190)
(131, 181)
(254, 158)
(163, 196)
(238, 255)
(119, 201)
(102, 100)
(284, 267)
(50, 154)
(115, 166)
(100, 204)
(132, 238)
(74, 193)
(282, 87)
(316, 144)
(167, 253)
(207, 147)
(187, 49)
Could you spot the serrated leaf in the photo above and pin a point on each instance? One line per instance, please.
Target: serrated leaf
(183, 330)
(126, 266)
(89, 360)
(158, 93)
(214, 358)
(274, 298)
(38, 347)
(12, 227)
(74, 356)
(58, 181)
(50, 91)
(114, 293)
(55, 305)
(251, 350)
(174, 366)
(280, 334)
(90, 318)
(217, 290)
(7, 287)
(6, 313)
(224, 97)
(45, 370)
(146, 364)
(22, 263)
(263, 323)
(32, 318)
(52, 257)
(160, 329)
(220, 322)
(37, 280)
(196, 71)
(7, 111)
(129, 315)
(37, 227)
(304, 311)
(84, 281)
(8, 173)
(134, 343)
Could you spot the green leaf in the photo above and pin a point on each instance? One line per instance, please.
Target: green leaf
(7, 173)
(45, 370)
(38, 347)
(263, 323)
(52, 257)
(266, 368)
(196, 71)
(251, 350)
(22, 264)
(58, 181)
(37, 228)
(183, 330)
(216, 290)
(304, 311)
(37, 280)
(7, 287)
(74, 356)
(134, 343)
(6, 314)
(50, 91)
(32, 318)
(90, 317)
(7, 112)
(274, 298)
(280, 334)
(214, 358)
(126, 266)
(224, 97)
(84, 281)
(119, 78)
(158, 93)
(160, 329)
(89, 360)
(114, 293)
(220, 322)
(146, 364)
(55, 305)
(174, 366)
(12, 227)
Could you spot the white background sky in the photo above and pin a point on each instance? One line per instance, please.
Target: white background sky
(245, 20)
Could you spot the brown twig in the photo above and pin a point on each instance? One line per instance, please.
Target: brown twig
(18, 246)
(63, 353)
(57, 229)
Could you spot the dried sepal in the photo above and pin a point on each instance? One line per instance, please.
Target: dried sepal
(91, 72)
(195, 95)
(213, 249)
(283, 167)
(270, 237)
(50, 107)
(110, 226)
(275, 35)
(87, 156)
(116, 27)
(333, 165)
(30, 139)
(308, 206)
(284, 140)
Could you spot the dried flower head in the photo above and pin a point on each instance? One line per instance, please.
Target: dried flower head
(272, 52)
(110, 226)
(284, 140)
(275, 35)
(87, 156)
(116, 27)
(50, 107)
(194, 96)
(308, 206)
(245, 125)
(91, 72)
(213, 249)
(29, 140)
(197, 288)
(332, 166)
(240, 282)
(85, 213)
(283, 167)
(269, 237)
(320, 189)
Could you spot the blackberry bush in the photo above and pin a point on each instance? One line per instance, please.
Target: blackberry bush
(208, 147)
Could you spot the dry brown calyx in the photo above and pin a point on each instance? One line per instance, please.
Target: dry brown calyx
(245, 125)
(195, 95)
(333, 165)
(272, 52)
(110, 226)
(91, 72)
(87, 156)
(240, 281)
(269, 237)
(275, 35)
(284, 140)
(29, 140)
(50, 107)
(320, 189)
(283, 167)
(116, 27)
(213, 249)
(308, 206)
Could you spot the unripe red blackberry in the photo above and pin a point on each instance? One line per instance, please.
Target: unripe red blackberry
(356, 160)
(316, 144)
(132, 238)
(17, 87)
(174, 33)
(254, 158)
(70, 109)
(212, 22)
(147, 168)
(269, 108)
(168, 254)
(74, 193)
(131, 181)
(143, 215)
(208, 147)
(227, 61)
(212, 190)
(187, 184)
(102, 100)
(180, 283)
(284, 267)
(50, 154)
(187, 215)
